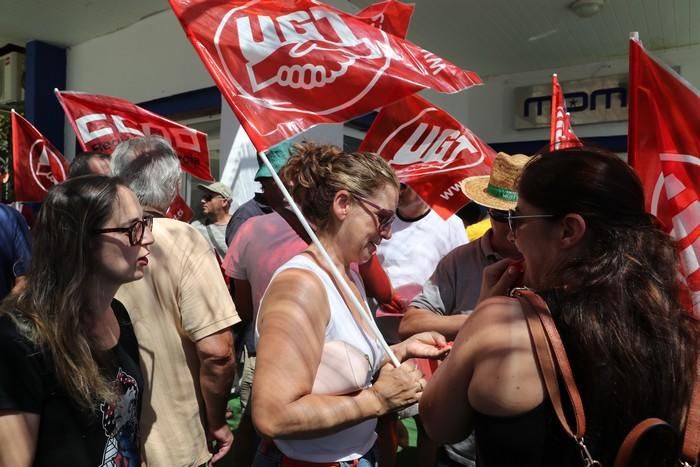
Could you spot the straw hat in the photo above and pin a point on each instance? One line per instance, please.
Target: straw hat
(500, 189)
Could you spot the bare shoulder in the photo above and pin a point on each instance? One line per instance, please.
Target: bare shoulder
(505, 380)
(295, 293)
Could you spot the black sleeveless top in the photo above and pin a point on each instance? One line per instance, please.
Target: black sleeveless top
(530, 439)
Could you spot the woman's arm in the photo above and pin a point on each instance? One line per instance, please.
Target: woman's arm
(19, 432)
(293, 320)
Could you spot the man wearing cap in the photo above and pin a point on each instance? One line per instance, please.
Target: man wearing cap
(215, 205)
(452, 292)
(270, 199)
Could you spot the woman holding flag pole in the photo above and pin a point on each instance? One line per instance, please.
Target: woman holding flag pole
(321, 373)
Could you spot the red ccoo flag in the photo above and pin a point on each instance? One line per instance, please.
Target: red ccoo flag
(36, 164)
(102, 122)
(664, 149)
(561, 136)
(429, 150)
(285, 66)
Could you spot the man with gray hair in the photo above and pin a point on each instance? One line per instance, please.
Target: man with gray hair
(182, 315)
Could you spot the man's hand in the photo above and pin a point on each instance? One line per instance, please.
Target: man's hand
(498, 278)
(223, 438)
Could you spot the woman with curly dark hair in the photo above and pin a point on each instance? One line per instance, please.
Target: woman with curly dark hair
(610, 278)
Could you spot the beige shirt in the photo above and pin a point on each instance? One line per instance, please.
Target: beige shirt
(181, 299)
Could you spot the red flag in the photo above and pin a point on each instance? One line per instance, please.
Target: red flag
(285, 66)
(102, 122)
(561, 136)
(664, 149)
(390, 16)
(429, 150)
(179, 210)
(37, 165)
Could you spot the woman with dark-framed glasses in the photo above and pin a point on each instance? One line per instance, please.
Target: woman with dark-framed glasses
(70, 383)
(609, 276)
(321, 376)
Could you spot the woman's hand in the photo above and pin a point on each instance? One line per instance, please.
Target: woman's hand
(396, 388)
(422, 345)
(498, 278)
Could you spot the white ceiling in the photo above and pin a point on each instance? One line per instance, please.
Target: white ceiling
(490, 37)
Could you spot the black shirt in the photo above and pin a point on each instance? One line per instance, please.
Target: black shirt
(69, 434)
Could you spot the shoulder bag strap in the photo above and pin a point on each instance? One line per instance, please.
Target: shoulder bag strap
(220, 251)
(624, 454)
(552, 358)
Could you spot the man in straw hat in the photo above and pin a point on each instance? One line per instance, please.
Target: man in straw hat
(452, 292)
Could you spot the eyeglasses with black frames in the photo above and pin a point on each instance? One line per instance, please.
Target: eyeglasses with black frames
(135, 231)
(385, 217)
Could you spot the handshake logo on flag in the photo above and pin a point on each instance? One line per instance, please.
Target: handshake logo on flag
(308, 49)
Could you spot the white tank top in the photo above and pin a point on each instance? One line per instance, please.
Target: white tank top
(355, 441)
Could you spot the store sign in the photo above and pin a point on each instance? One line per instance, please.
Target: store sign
(594, 100)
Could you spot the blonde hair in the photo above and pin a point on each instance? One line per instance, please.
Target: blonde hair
(315, 173)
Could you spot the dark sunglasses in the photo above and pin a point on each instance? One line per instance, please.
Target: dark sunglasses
(385, 217)
(135, 230)
(497, 215)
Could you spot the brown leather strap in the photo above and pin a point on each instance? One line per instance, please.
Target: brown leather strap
(545, 362)
(624, 454)
(691, 439)
(546, 340)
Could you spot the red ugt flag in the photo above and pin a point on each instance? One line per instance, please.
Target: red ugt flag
(561, 136)
(391, 16)
(429, 150)
(102, 122)
(37, 165)
(285, 66)
(664, 149)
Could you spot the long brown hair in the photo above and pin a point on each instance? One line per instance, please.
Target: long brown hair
(51, 309)
(631, 344)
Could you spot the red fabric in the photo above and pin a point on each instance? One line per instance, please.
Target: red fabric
(285, 66)
(429, 150)
(102, 122)
(664, 149)
(179, 210)
(561, 136)
(37, 165)
(377, 283)
(391, 16)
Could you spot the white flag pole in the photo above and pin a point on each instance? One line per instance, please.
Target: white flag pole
(364, 312)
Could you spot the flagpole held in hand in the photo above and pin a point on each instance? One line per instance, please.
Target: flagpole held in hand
(363, 311)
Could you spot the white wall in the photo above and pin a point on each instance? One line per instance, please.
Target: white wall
(489, 110)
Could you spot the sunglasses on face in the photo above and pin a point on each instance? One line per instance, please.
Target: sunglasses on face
(385, 217)
(135, 231)
(515, 220)
(497, 215)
